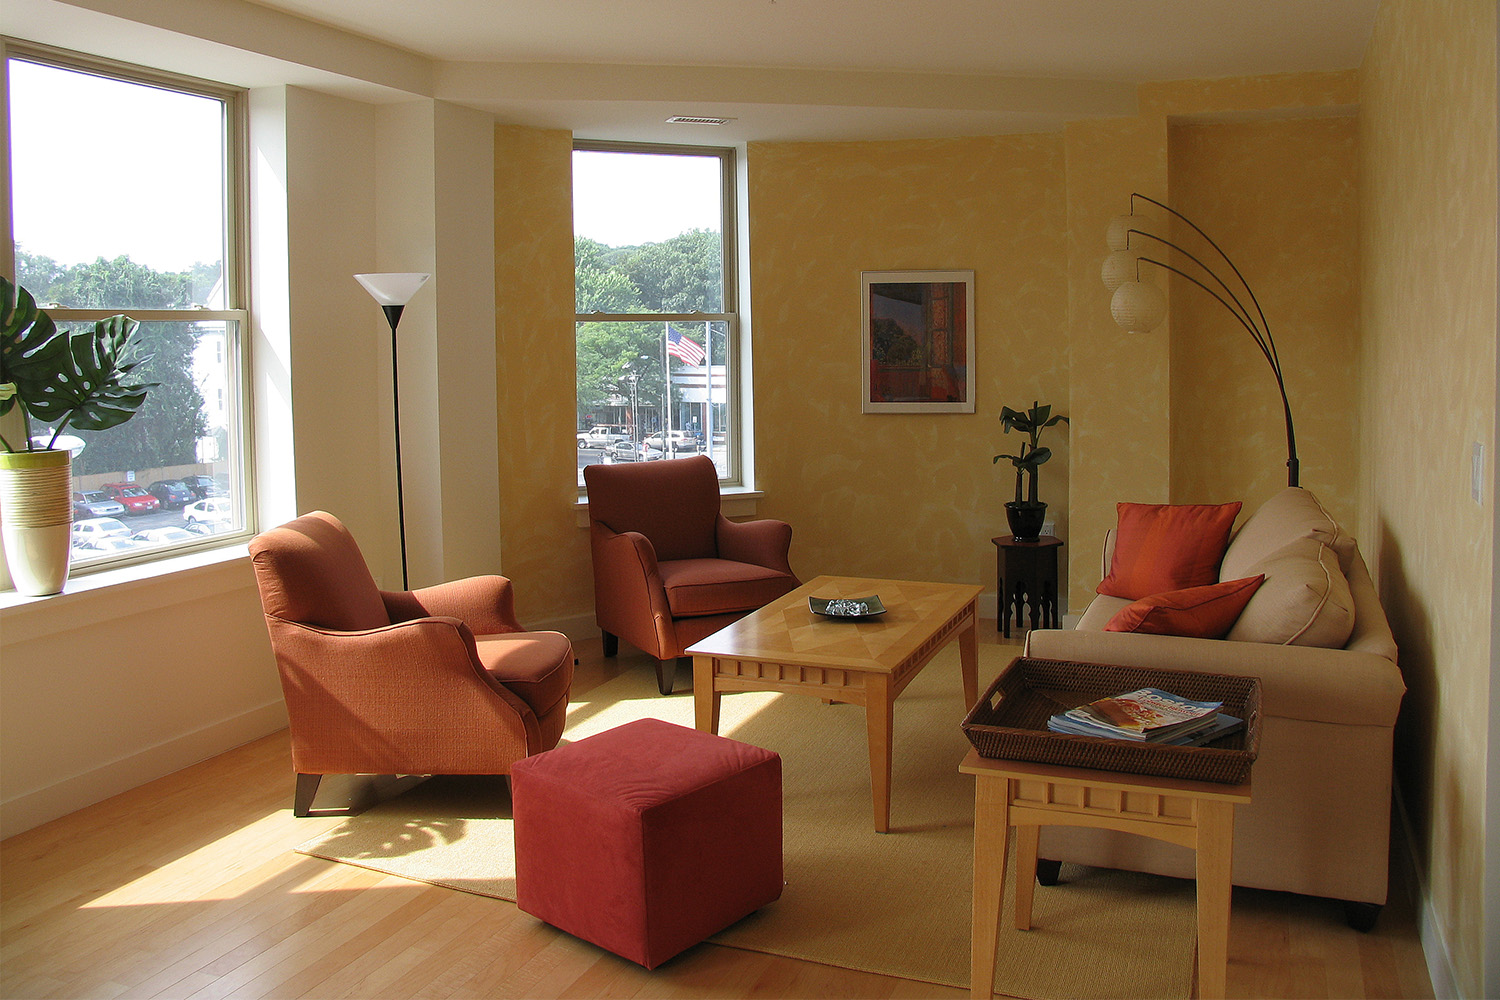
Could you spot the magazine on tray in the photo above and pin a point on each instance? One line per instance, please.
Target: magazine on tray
(1144, 714)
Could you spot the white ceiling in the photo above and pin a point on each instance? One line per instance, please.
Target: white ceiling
(1121, 40)
(783, 69)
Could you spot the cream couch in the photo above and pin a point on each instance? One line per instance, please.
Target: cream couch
(1319, 819)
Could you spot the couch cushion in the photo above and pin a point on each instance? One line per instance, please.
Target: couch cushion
(1305, 600)
(1201, 612)
(536, 667)
(1291, 514)
(717, 586)
(1164, 547)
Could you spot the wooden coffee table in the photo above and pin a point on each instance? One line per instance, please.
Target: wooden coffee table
(786, 647)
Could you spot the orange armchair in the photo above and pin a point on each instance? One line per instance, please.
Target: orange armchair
(669, 568)
(441, 680)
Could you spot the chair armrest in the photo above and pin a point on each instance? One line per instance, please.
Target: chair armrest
(629, 598)
(486, 604)
(765, 542)
(1297, 682)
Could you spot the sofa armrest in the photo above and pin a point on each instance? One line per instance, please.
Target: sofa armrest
(1297, 682)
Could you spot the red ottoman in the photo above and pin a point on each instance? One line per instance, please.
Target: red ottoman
(648, 838)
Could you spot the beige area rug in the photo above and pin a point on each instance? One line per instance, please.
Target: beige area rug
(896, 904)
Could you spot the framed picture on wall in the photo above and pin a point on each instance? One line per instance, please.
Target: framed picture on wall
(918, 341)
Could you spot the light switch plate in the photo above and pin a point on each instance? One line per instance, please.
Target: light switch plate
(1476, 473)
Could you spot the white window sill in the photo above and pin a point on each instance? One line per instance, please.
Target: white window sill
(112, 593)
(734, 501)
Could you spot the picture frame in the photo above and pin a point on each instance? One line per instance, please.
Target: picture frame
(918, 341)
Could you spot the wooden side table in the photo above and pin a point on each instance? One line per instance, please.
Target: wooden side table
(1026, 572)
(1012, 793)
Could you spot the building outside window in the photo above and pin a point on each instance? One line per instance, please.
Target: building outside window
(124, 190)
(657, 324)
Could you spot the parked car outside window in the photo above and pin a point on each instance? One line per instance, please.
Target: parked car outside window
(89, 531)
(96, 503)
(677, 441)
(203, 487)
(212, 512)
(629, 451)
(171, 493)
(163, 536)
(135, 499)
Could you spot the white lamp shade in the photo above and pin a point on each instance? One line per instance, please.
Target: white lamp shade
(1138, 306)
(1117, 236)
(1119, 267)
(392, 289)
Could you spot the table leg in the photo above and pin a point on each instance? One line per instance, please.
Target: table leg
(1027, 839)
(1004, 623)
(991, 830)
(878, 715)
(968, 658)
(705, 698)
(1215, 866)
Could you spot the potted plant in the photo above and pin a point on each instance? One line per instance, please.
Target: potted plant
(66, 380)
(1026, 515)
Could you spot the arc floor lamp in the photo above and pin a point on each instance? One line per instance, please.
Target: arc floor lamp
(393, 291)
(1138, 306)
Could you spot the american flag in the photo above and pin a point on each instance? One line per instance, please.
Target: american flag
(682, 348)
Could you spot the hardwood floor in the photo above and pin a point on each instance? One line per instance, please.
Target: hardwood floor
(189, 887)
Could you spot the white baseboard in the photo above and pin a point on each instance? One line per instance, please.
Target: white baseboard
(575, 627)
(34, 808)
(1429, 928)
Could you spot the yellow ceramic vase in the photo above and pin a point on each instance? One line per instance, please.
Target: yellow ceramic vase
(36, 518)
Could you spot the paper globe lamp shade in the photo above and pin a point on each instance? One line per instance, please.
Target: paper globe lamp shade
(393, 288)
(1119, 267)
(1138, 306)
(1117, 236)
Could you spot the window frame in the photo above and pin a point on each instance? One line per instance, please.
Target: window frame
(729, 195)
(235, 316)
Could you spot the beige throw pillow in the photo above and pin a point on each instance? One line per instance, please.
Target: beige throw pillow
(1305, 600)
(1290, 514)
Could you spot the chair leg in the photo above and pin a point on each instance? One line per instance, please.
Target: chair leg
(666, 675)
(1361, 916)
(1047, 871)
(611, 644)
(307, 787)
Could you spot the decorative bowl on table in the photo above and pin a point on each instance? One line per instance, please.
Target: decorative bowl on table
(846, 608)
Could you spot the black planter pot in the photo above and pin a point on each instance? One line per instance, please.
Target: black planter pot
(1025, 519)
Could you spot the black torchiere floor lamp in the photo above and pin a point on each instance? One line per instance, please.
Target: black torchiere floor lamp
(1138, 306)
(393, 291)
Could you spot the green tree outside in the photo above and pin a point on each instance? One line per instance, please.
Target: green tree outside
(166, 429)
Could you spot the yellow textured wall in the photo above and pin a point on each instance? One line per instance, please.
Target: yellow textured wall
(898, 495)
(1428, 374)
(544, 552)
(1120, 383)
(1300, 256)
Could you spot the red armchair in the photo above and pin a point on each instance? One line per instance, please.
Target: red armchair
(441, 680)
(669, 568)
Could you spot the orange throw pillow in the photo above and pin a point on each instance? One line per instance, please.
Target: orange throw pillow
(1198, 612)
(1161, 547)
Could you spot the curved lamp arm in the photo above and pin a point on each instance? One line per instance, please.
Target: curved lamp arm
(1260, 333)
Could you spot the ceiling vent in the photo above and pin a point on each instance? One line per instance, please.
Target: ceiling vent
(694, 120)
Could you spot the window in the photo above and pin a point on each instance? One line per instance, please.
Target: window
(657, 328)
(124, 196)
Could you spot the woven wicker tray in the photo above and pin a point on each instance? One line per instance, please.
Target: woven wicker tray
(1010, 721)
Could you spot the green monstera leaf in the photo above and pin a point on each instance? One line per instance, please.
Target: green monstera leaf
(31, 350)
(77, 379)
(91, 394)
